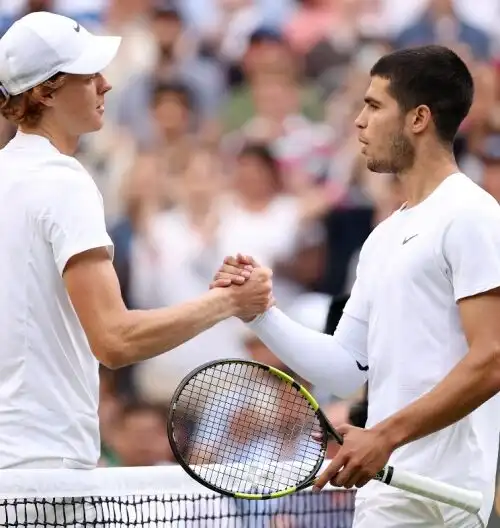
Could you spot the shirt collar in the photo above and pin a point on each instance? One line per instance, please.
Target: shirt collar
(31, 141)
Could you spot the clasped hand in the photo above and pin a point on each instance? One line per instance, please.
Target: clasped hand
(251, 284)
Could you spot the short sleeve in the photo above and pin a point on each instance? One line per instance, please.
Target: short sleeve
(71, 216)
(471, 248)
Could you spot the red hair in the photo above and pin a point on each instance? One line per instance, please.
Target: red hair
(27, 108)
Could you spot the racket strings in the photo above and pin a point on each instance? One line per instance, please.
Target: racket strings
(253, 432)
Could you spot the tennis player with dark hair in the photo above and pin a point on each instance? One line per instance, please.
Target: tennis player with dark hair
(422, 322)
(60, 302)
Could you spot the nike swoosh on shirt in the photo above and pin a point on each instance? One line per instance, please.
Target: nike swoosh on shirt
(409, 238)
(360, 366)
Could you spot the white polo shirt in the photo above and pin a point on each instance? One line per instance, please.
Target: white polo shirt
(50, 210)
(413, 269)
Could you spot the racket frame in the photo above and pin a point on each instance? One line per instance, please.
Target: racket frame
(463, 498)
(327, 429)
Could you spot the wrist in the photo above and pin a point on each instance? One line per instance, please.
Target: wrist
(391, 433)
(254, 321)
(225, 302)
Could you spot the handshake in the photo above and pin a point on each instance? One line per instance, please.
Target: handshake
(247, 286)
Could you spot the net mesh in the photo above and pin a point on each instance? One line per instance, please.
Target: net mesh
(154, 497)
(240, 415)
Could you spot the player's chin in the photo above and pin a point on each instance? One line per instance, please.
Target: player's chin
(378, 166)
(96, 123)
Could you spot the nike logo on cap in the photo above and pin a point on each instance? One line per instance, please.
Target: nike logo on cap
(409, 238)
(77, 27)
(360, 366)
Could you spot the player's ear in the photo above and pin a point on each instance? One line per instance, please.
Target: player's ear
(38, 94)
(420, 119)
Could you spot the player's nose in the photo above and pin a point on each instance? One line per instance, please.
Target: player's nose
(104, 86)
(360, 122)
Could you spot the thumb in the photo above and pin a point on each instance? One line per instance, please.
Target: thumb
(262, 274)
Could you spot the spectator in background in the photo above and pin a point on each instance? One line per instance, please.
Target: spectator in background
(300, 145)
(203, 15)
(32, 6)
(258, 200)
(267, 54)
(229, 37)
(313, 21)
(490, 157)
(140, 197)
(141, 436)
(173, 112)
(178, 60)
(110, 411)
(171, 117)
(441, 24)
(173, 259)
(131, 20)
(327, 33)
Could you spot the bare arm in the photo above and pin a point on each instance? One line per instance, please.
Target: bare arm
(472, 382)
(119, 336)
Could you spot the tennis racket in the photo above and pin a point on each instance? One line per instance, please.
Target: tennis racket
(250, 431)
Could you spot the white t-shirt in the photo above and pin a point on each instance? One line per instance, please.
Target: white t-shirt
(50, 210)
(413, 269)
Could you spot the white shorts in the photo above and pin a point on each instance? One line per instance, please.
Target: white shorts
(405, 510)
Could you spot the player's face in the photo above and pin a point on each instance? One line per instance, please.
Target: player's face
(78, 106)
(381, 125)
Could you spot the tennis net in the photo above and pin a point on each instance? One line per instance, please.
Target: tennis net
(150, 497)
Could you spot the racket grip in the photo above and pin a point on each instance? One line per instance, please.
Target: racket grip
(467, 500)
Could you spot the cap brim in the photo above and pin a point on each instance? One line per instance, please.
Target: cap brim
(97, 56)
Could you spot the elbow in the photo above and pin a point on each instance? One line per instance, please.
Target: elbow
(111, 358)
(111, 348)
(489, 366)
(111, 354)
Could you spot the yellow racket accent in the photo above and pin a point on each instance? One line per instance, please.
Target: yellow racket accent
(307, 395)
(275, 495)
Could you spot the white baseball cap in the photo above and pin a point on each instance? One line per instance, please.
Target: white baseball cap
(41, 44)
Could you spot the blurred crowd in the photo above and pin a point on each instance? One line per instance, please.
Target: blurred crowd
(230, 128)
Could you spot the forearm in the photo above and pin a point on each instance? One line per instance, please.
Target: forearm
(143, 334)
(324, 360)
(471, 383)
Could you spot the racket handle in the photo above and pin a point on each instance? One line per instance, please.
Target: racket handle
(467, 500)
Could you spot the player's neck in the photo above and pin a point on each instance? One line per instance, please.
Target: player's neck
(425, 176)
(64, 143)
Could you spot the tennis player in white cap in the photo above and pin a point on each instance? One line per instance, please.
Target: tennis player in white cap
(61, 310)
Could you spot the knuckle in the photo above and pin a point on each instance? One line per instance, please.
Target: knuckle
(356, 464)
